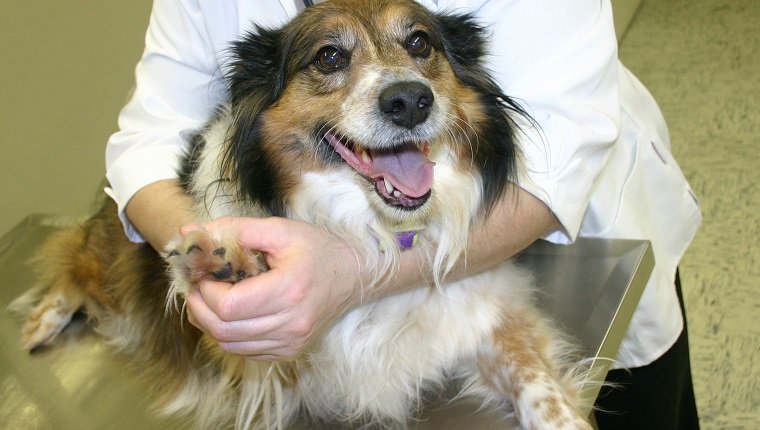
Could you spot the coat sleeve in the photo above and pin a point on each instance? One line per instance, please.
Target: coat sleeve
(177, 85)
(558, 59)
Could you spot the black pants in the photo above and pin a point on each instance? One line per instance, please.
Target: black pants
(657, 396)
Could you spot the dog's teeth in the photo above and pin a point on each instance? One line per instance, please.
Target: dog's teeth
(397, 193)
(388, 187)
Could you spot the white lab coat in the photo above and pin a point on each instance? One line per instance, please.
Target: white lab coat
(600, 160)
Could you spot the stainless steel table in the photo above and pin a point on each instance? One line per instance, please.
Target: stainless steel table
(591, 288)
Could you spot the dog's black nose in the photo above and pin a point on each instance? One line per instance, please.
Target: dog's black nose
(406, 103)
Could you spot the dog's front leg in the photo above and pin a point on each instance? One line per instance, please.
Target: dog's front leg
(519, 366)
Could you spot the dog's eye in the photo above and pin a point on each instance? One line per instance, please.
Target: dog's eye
(330, 59)
(418, 44)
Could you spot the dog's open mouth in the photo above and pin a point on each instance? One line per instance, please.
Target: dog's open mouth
(402, 175)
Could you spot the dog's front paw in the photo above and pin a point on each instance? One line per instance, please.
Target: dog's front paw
(199, 256)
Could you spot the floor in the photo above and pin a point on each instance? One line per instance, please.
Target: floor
(701, 60)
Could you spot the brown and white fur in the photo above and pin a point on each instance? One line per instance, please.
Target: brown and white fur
(322, 113)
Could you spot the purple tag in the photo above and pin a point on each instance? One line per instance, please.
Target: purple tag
(406, 239)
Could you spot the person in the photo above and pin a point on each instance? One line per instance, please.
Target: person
(598, 165)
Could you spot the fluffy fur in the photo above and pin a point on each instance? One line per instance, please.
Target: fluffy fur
(335, 119)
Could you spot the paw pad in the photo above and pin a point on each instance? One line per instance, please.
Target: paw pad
(199, 255)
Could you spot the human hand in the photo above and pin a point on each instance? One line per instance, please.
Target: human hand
(312, 279)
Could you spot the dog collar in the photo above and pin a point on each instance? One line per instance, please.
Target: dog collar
(406, 239)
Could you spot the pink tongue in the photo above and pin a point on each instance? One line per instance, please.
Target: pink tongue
(406, 168)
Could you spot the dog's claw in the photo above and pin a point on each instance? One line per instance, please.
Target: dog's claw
(206, 257)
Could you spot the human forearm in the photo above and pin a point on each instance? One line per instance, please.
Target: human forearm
(518, 220)
(159, 210)
(274, 315)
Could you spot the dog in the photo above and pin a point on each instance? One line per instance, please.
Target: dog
(376, 121)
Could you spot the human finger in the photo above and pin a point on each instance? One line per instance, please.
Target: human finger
(203, 317)
(262, 349)
(262, 234)
(194, 303)
(188, 228)
(254, 297)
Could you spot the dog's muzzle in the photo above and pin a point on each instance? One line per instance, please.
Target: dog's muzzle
(402, 175)
(401, 171)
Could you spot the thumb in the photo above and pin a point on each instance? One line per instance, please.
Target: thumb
(189, 228)
(261, 234)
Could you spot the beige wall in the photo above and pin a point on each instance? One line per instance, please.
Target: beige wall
(624, 11)
(66, 68)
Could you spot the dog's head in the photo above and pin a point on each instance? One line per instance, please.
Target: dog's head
(381, 99)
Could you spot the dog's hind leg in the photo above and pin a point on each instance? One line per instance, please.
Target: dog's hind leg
(523, 365)
(48, 318)
(71, 268)
(63, 269)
